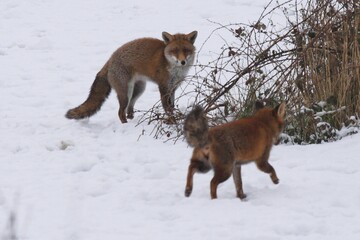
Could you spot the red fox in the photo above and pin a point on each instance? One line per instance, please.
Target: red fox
(226, 147)
(164, 62)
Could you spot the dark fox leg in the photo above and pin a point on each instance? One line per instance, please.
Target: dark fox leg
(120, 80)
(220, 175)
(167, 100)
(189, 180)
(265, 166)
(222, 161)
(123, 102)
(172, 98)
(139, 88)
(238, 182)
(195, 166)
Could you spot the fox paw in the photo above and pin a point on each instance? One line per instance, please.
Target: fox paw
(242, 196)
(188, 192)
(170, 120)
(276, 181)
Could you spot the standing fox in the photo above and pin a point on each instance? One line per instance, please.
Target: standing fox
(226, 147)
(163, 62)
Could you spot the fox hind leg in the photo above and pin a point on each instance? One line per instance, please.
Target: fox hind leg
(201, 166)
(136, 91)
(120, 80)
(220, 175)
(189, 180)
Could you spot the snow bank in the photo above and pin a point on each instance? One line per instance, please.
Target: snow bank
(99, 179)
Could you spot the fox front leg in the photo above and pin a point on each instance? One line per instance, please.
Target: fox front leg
(263, 165)
(167, 100)
(238, 181)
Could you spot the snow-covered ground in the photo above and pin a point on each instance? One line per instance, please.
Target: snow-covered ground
(99, 179)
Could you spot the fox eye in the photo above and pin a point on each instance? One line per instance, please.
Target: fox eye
(186, 51)
(175, 51)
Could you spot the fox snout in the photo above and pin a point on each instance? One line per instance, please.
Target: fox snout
(181, 61)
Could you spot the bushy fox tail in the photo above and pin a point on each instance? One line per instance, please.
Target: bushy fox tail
(99, 92)
(196, 128)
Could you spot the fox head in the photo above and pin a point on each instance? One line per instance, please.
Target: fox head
(274, 117)
(180, 49)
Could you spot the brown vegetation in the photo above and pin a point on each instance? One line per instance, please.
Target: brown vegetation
(312, 63)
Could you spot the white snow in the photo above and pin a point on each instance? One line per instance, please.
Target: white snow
(99, 179)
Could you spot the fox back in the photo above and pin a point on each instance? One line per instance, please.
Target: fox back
(232, 144)
(249, 138)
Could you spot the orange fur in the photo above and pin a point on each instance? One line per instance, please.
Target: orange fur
(230, 145)
(164, 62)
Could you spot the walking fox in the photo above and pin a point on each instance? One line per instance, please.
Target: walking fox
(164, 62)
(226, 147)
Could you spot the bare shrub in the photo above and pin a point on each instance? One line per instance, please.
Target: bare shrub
(312, 62)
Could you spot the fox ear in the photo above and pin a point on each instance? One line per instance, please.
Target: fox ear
(192, 36)
(280, 110)
(167, 37)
